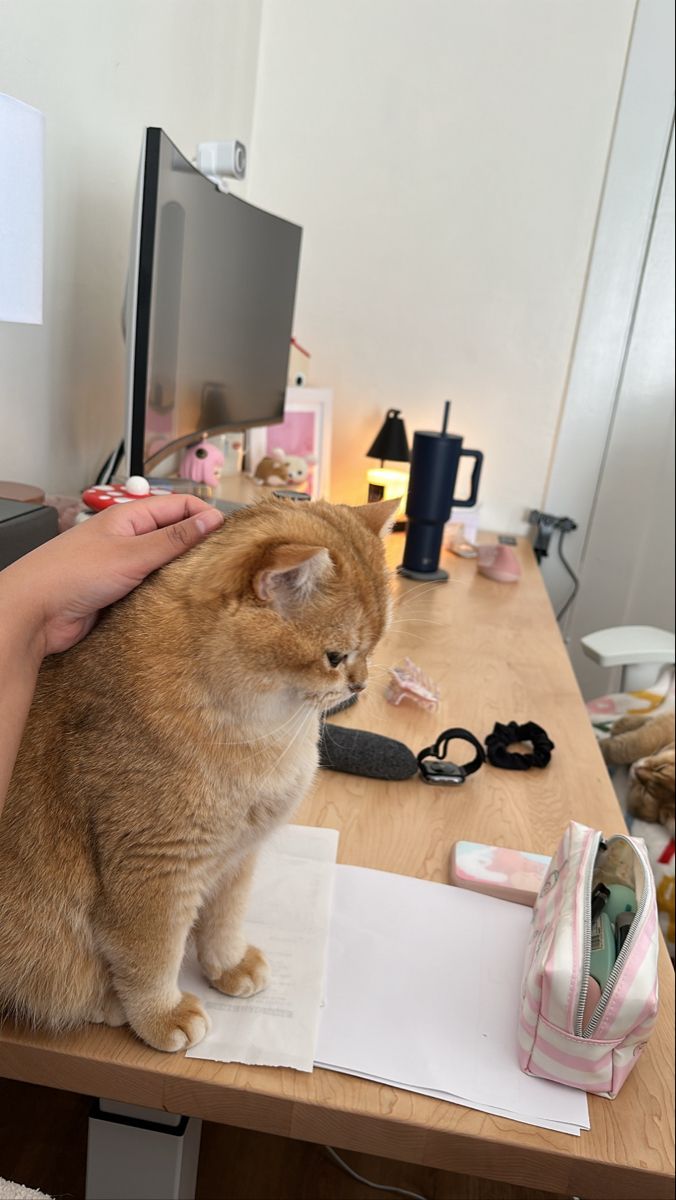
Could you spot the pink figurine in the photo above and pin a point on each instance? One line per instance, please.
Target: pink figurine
(202, 464)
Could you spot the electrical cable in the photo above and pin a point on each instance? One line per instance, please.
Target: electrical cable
(379, 1187)
(110, 465)
(576, 582)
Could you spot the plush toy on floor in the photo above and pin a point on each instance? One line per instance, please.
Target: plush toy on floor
(647, 745)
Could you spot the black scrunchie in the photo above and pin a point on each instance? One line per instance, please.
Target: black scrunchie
(506, 735)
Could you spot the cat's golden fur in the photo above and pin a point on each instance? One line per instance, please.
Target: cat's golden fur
(646, 744)
(162, 749)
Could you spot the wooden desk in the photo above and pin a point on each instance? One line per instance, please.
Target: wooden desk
(496, 654)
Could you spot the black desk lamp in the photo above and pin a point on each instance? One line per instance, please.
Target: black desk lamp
(390, 445)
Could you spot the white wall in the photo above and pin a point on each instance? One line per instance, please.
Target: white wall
(101, 71)
(446, 160)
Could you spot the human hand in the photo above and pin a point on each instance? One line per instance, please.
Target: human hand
(58, 590)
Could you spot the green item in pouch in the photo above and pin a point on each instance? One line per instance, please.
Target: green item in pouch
(602, 949)
(621, 899)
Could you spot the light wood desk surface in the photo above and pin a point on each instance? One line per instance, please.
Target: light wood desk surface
(496, 653)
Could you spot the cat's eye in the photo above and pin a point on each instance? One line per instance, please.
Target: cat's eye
(335, 658)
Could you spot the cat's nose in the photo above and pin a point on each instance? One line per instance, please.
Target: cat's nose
(356, 687)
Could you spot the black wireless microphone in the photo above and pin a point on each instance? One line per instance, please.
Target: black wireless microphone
(357, 752)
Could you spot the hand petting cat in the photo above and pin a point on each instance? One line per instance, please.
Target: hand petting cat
(51, 598)
(60, 588)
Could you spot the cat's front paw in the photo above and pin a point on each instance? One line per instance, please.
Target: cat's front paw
(251, 975)
(177, 1029)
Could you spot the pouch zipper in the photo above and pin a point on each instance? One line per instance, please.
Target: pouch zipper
(586, 943)
(624, 952)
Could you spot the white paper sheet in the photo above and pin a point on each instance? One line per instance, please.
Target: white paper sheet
(450, 1098)
(287, 918)
(423, 992)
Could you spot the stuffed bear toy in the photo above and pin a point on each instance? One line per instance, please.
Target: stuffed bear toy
(646, 745)
(283, 470)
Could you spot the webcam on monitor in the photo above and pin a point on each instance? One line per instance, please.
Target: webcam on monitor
(220, 161)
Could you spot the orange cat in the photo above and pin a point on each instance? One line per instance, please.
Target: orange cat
(162, 749)
(647, 743)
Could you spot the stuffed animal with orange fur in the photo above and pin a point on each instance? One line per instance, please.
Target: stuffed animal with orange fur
(283, 470)
(646, 744)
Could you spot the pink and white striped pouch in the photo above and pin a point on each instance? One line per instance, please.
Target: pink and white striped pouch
(592, 1050)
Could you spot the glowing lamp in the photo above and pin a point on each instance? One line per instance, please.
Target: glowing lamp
(391, 445)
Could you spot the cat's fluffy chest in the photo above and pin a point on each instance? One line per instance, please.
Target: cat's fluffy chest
(257, 782)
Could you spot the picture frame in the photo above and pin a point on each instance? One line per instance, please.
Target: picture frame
(305, 430)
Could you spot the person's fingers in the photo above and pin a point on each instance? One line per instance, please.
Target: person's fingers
(161, 546)
(154, 512)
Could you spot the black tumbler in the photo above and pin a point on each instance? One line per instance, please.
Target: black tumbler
(435, 459)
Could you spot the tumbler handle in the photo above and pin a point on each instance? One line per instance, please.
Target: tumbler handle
(476, 475)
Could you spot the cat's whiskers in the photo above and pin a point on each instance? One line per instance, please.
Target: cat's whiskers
(408, 634)
(405, 598)
(268, 733)
(326, 731)
(411, 618)
(280, 757)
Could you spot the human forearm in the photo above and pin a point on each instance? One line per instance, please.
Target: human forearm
(51, 598)
(20, 659)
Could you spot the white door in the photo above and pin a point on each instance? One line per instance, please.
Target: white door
(627, 564)
(612, 470)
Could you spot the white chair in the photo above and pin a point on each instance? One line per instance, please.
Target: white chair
(641, 650)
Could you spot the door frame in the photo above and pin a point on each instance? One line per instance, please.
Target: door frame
(632, 184)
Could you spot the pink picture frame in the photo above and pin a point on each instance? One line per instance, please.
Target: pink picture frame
(305, 431)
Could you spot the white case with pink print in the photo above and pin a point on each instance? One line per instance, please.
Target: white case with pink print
(556, 1040)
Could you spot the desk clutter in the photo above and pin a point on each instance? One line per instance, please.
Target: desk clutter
(446, 991)
(341, 998)
(359, 752)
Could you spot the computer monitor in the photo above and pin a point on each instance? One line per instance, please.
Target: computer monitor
(209, 309)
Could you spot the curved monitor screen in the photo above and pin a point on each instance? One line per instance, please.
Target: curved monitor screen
(210, 309)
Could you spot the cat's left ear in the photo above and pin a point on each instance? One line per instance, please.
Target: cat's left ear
(379, 515)
(291, 574)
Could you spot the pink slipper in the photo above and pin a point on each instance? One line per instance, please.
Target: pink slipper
(499, 563)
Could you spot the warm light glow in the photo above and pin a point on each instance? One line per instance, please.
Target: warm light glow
(393, 484)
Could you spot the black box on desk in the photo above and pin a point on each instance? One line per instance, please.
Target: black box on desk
(23, 527)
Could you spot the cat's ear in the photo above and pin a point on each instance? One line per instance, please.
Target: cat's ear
(291, 574)
(379, 515)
